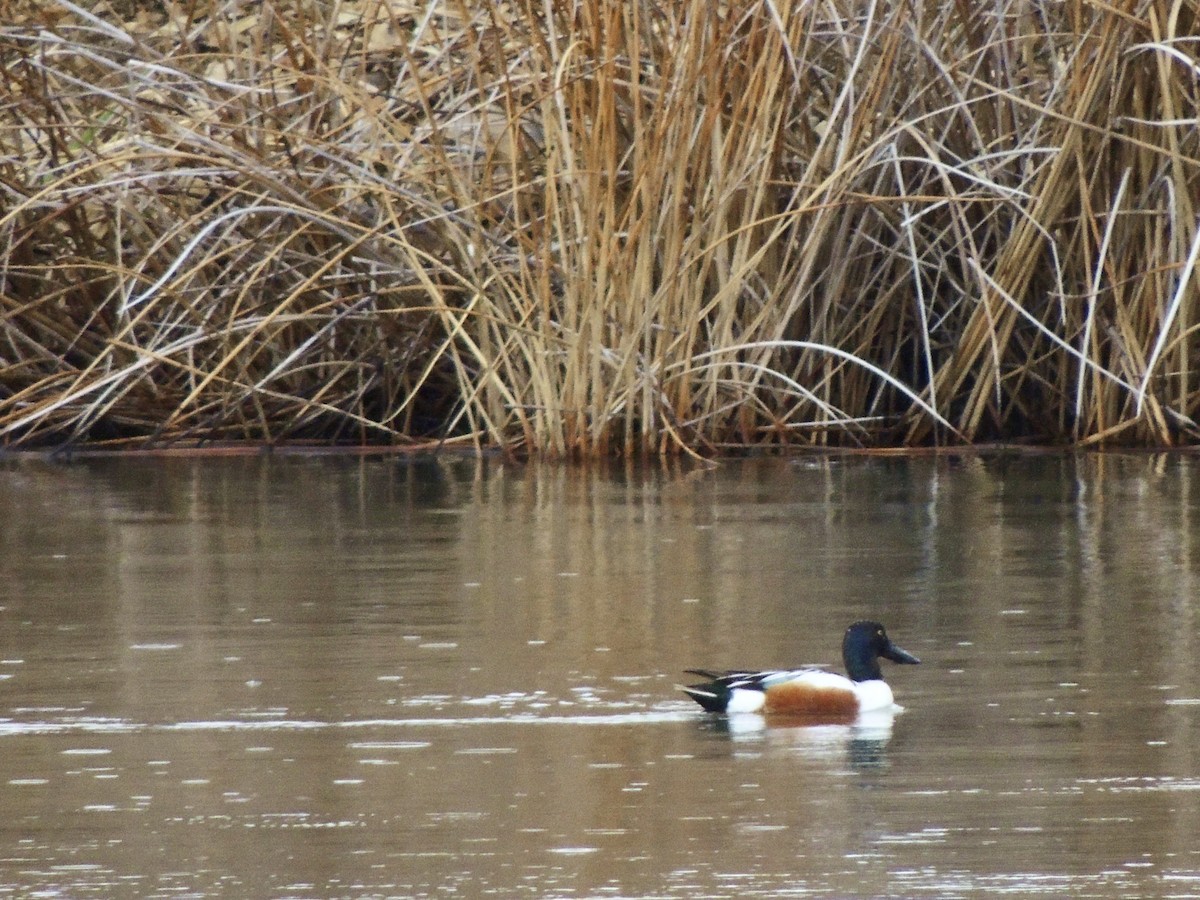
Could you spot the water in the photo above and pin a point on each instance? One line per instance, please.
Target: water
(311, 677)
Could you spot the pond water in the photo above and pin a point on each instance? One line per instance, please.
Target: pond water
(331, 677)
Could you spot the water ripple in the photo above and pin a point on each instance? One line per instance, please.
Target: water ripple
(124, 726)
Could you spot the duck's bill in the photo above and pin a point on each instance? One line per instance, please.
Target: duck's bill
(895, 654)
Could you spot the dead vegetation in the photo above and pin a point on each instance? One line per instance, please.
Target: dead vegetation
(590, 227)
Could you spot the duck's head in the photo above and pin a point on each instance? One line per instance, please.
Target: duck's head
(864, 644)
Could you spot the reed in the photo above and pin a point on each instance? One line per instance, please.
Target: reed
(593, 227)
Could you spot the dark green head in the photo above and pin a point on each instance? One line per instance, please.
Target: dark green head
(862, 646)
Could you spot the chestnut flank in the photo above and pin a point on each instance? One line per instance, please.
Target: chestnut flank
(806, 700)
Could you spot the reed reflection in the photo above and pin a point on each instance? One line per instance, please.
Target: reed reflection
(460, 677)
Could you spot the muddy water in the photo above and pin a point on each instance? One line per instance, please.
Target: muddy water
(300, 677)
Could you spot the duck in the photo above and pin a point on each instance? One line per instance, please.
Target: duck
(810, 692)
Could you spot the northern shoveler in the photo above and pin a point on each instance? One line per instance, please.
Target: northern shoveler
(810, 692)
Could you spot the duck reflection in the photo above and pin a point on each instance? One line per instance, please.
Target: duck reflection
(862, 741)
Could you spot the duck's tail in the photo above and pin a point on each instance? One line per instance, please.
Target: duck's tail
(712, 695)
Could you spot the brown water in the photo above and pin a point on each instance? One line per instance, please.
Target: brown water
(300, 677)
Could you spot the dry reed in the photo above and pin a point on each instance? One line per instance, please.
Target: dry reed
(572, 228)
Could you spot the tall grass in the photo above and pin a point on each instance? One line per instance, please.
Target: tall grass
(572, 228)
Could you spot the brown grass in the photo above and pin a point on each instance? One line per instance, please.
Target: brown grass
(573, 228)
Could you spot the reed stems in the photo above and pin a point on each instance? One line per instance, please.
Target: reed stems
(577, 227)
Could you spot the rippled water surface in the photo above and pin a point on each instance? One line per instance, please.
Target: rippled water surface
(312, 677)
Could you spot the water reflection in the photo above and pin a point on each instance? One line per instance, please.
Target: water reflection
(861, 744)
(303, 676)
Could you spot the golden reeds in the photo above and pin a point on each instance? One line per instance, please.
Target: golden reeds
(593, 227)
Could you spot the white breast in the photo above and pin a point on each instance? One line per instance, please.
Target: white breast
(874, 695)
